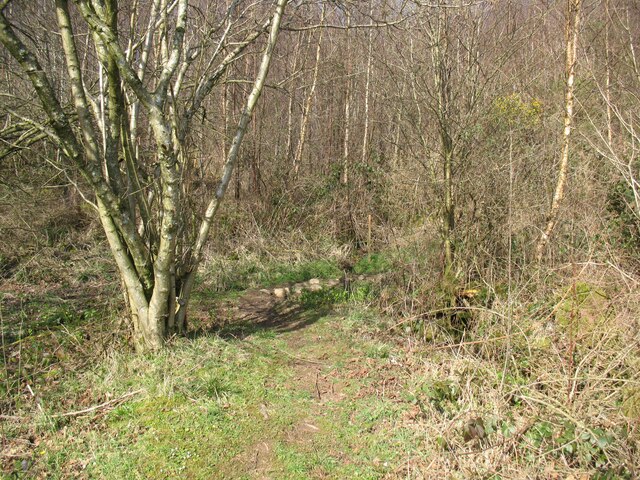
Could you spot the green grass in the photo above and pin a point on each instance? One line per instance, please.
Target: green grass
(237, 406)
(202, 412)
(372, 264)
(201, 408)
(249, 273)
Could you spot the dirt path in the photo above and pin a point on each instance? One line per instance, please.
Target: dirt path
(314, 373)
(326, 376)
(309, 387)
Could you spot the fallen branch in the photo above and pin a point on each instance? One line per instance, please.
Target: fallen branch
(16, 455)
(477, 342)
(258, 347)
(109, 403)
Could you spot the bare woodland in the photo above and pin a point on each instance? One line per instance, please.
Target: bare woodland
(490, 145)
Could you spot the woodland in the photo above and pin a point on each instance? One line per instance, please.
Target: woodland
(294, 239)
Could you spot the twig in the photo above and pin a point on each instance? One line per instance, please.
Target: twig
(11, 418)
(15, 418)
(300, 359)
(318, 387)
(15, 455)
(444, 310)
(36, 399)
(98, 407)
(258, 347)
(476, 342)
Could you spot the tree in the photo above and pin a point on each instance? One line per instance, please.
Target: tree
(95, 114)
(447, 85)
(571, 34)
(614, 133)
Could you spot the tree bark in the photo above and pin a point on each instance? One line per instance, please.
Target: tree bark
(306, 109)
(442, 77)
(572, 28)
(203, 234)
(365, 134)
(154, 258)
(344, 178)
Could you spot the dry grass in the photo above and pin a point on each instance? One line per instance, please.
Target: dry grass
(550, 374)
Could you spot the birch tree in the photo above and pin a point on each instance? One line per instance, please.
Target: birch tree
(161, 79)
(308, 104)
(571, 36)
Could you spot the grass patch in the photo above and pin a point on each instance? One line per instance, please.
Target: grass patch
(373, 264)
(384, 405)
(209, 405)
(247, 273)
(201, 408)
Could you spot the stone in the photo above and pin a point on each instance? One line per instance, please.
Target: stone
(314, 281)
(280, 292)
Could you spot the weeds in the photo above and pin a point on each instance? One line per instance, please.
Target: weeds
(373, 263)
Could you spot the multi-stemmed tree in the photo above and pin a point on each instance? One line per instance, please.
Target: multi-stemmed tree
(131, 85)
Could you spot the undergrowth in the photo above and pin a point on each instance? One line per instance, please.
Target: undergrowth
(533, 381)
(243, 273)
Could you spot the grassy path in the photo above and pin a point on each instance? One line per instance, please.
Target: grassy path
(335, 419)
(282, 391)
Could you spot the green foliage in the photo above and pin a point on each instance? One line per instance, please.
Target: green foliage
(441, 394)
(253, 274)
(378, 350)
(539, 434)
(372, 264)
(322, 298)
(624, 221)
(580, 304)
(359, 292)
(631, 402)
(514, 111)
(58, 315)
(586, 447)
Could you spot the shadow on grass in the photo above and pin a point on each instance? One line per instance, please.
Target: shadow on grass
(261, 314)
(36, 313)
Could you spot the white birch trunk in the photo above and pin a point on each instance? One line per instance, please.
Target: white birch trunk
(572, 28)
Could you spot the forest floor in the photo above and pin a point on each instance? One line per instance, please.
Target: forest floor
(280, 390)
(317, 386)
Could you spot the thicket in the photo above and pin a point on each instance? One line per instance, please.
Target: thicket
(342, 174)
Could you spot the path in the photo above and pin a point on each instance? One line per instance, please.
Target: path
(344, 387)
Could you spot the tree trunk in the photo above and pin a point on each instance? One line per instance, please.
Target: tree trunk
(344, 178)
(187, 282)
(572, 26)
(367, 87)
(306, 109)
(442, 77)
(144, 214)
